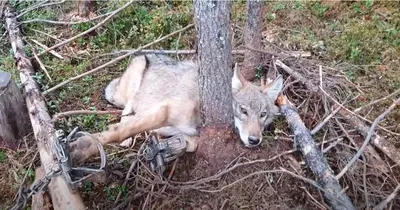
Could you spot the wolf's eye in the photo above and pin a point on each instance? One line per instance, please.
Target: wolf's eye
(243, 110)
(263, 114)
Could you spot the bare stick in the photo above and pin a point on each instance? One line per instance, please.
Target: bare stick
(377, 140)
(297, 75)
(314, 157)
(43, 128)
(114, 60)
(368, 138)
(41, 64)
(178, 52)
(321, 124)
(89, 30)
(46, 48)
(65, 22)
(80, 112)
(39, 6)
(377, 101)
(385, 202)
(291, 54)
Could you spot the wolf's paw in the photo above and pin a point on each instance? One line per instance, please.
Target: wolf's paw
(83, 148)
(127, 142)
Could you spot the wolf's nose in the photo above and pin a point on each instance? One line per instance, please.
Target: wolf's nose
(254, 140)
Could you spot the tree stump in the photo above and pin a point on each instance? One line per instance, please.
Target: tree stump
(14, 117)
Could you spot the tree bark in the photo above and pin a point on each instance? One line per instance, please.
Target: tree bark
(41, 200)
(14, 118)
(215, 85)
(42, 125)
(252, 38)
(314, 158)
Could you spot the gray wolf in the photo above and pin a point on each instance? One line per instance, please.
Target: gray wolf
(163, 94)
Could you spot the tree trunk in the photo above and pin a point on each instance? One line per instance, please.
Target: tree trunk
(14, 118)
(43, 128)
(215, 73)
(252, 38)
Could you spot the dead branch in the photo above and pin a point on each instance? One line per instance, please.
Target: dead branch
(41, 122)
(321, 124)
(377, 140)
(81, 112)
(178, 52)
(314, 157)
(114, 60)
(89, 30)
(65, 22)
(41, 64)
(281, 54)
(37, 6)
(385, 202)
(46, 48)
(377, 101)
(298, 76)
(368, 138)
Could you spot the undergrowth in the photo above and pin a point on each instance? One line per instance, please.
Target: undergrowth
(364, 35)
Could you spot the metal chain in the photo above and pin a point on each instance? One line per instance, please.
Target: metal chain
(25, 194)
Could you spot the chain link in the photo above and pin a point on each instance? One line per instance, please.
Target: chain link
(25, 194)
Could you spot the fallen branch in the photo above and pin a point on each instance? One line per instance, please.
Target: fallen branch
(89, 30)
(291, 54)
(39, 6)
(368, 138)
(377, 140)
(41, 64)
(80, 112)
(65, 22)
(297, 76)
(179, 52)
(115, 60)
(314, 157)
(41, 122)
(377, 101)
(46, 48)
(385, 202)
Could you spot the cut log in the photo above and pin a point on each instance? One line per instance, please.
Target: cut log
(314, 157)
(43, 127)
(14, 118)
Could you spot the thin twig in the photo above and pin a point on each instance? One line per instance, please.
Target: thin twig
(385, 202)
(89, 30)
(377, 101)
(46, 48)
(41, 64)
(65, 22)
(321, 124)
(368, 138)
(114, 60)
(80, 112)
(178, 52)
(39, 6)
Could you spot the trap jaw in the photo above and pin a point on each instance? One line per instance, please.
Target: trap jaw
(75, 176)
(158, 152)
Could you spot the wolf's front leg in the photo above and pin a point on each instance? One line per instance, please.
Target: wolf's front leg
(86, 146)
(124, 119)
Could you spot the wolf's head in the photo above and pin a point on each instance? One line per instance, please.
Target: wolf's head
(254, 107)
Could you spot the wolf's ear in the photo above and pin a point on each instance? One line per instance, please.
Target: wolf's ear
(274, 88)
(237, 79)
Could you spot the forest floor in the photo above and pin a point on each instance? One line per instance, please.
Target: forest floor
(356, 43)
